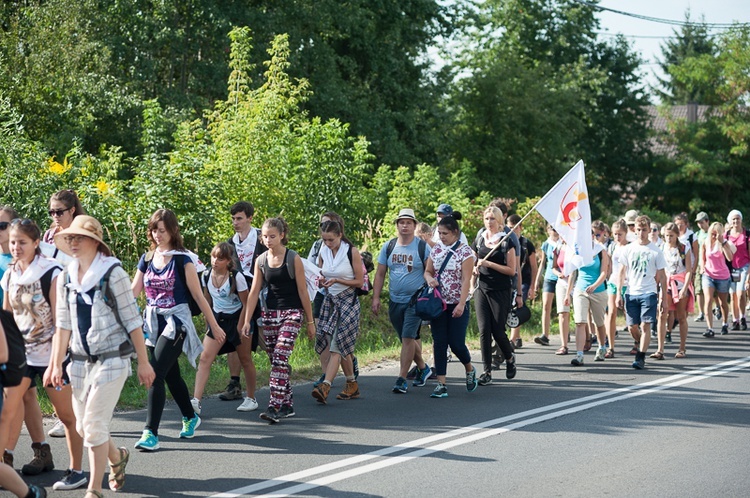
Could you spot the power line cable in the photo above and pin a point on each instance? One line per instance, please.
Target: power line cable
(660, 20)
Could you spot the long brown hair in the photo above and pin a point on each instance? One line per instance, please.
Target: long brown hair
(171, 225)
(70, 199)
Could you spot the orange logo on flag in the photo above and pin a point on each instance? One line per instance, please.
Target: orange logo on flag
(569, 205)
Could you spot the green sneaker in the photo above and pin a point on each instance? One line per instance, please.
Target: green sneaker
(147, 442)
(189, 425)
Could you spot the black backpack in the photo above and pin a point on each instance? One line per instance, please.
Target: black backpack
(366, 285)
(195, 310)
(12, 371)
(421, 246)
(259, 249)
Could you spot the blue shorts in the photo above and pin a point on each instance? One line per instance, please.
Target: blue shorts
(405, 320)
(549, 286)
(640, 308)
(740, 286)
(720, 285)
(612, 289)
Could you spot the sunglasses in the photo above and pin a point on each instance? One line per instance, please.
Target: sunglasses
(654, 229)
(4, 225)
(597, 235)
(77, 239)
(57, 212)
(23, 222)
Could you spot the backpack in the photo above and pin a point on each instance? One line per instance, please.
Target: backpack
(195, 310)
(421, 246)
(315, 251)
(289, 260)
(259, 249)
(46, 282)
(109, 299)
(13, 370)
(366, 286)
(206, 277)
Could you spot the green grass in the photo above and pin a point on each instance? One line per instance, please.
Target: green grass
(377, 342)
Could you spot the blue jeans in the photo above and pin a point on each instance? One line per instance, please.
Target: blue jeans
(449, 331)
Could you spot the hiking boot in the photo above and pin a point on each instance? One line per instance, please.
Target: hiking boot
(196, 405)
(471, 380)
(42, 461)
(71, 480)
(440, 391)
(422, 376)
(743, 323)
(232, 392)
(148, 441)
(401, 386)
(700, 318)
(271, 415)
(57, 430)
(320, 380)
(542, 339)
(355, 366)
(351, 391)
(485, 379)
(640, 361)
(320, 393)
(36, 491)
(189, 425)
(510, 367)
(412, 374)
(286, 411)
(8, 458)
(248, 405)
(600, 354)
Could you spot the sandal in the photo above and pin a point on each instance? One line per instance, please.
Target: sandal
(563, 350)
(117, 471)
(94, 492)
(681, 354)
(610, 353)
(657, 356)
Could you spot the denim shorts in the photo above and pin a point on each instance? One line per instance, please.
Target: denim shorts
(739, 286)
(720, 285)
(640, 308)
(405, 320)
(549, 286)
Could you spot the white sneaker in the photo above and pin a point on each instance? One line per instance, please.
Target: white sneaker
(196, 405)
(58, 430)
(600, 354)
(248, 405)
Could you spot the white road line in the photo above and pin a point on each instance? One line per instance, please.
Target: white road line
(556, 410)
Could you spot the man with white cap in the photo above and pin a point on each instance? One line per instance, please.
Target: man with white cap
(405, 257)
(630, 217)
(702, 221)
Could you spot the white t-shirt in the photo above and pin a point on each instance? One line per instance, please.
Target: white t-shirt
(676, 259)
(642, 263)
(224, 300)
(246, 250)
(616, 265)
(436, 237)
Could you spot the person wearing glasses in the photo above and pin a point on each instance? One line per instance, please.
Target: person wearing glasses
(63, 207)
(655, 235)
(98, 319)
(30, 293)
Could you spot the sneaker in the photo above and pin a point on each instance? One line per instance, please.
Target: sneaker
(668, 338)
(71, 480)
(320, 393)
(653, 334)
(271, 415)
(724, 329)
(232, 392)
(147, 442)
(736, 325)
(485, 379)
(640, 361)
(708, 333)
(518, 343)
(401, 386)
(440, 391)
(320, 380)
(351, 391)
(196, 405)
(286, 411)
(609, 354)
(57, 430)
(510, 367)
(542, 339)
(743, 323)
(42, 461)
(433, 375)
(355, 366)
(717, 313)
(248, 405)
(36, 491)
(700, 318)
(421, 379)
(497, 360)
(600, 354)
(471, 380)
(412, 374)
(189, 425)
(577, 361)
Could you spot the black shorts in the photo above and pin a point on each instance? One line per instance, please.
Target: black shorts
(317, 304)
(34, 372)
(228, 323)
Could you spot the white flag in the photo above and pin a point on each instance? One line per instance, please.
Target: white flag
(566, 207)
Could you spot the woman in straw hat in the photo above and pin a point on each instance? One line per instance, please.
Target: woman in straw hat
(98, 319)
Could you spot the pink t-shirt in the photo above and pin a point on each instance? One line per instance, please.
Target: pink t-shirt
(450, 278)
(741, 256)
(715, 265)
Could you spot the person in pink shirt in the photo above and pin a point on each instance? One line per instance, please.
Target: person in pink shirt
(713, 255)
(740, 237)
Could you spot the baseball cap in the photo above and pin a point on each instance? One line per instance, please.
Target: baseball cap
(702, 216)
(445, 209)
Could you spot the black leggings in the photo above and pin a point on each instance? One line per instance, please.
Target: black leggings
(492, 311)
(166, 367)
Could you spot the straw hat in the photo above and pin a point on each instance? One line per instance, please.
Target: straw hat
(82, 225)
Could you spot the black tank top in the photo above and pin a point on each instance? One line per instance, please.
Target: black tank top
(282, 290)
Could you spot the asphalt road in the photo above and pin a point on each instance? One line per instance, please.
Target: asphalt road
(677, 428)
